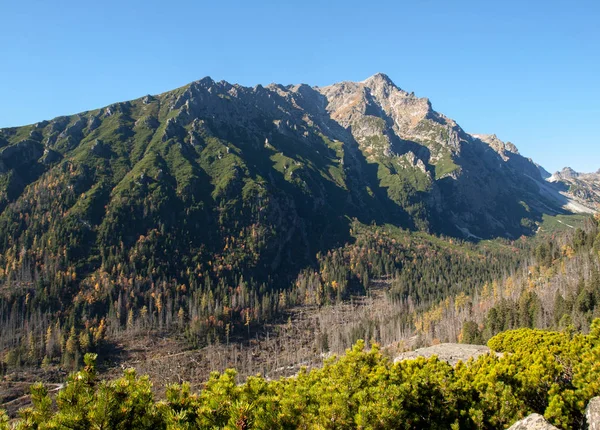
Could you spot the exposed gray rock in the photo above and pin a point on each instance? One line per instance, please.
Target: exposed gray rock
(41, 124)
(70, 143)
(99, 148)
(512, 148)
(57, 125)
(93, 123)
(592, 414)
(406, 116)
(148, 121)
(50, 140)
(202, 129)
(172, 129)
(122, 107)
(50, 156)
(497, 145)
(450, 352)
(36, 135)
(567, 173)
(148, 99)
(144, 179)
(195, 93)
(24, 152)
(195, 140)
(583, 188)
(533, 422)
(74, 130)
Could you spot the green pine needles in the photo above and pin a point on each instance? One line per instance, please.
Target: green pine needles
(551, 373)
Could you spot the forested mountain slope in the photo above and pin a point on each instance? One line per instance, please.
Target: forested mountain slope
(556, 287)
(209, 209)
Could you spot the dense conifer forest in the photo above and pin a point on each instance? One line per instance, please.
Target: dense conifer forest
(552, 372)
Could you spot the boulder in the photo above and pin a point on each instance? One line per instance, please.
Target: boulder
(449, 352)
(533, 422)
(592, 414)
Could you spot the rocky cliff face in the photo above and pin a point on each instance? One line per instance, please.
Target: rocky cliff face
(353, 149)
(582, 188)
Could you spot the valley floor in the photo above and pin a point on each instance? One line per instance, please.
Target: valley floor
(304, 337)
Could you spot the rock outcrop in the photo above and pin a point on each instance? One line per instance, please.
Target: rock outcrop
(99, 148)
(583, 188)
(93, 123)
(497, 145)
(533, 422)
(50, 157)
(23, 152)
(450, 352)
(592, 414)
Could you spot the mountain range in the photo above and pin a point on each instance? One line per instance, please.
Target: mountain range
(221, 181)
(584, 188)
(202, 215)
(300, 159)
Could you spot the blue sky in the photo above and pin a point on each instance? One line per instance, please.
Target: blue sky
(525, 70)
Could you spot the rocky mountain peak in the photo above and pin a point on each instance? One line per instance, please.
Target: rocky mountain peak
(206, 81)
(427, 166)
(379, 80)
(568, 172)
(403, 113)
(511, 147)
(497, 144)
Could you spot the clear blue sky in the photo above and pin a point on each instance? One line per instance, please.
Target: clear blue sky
(525, 70)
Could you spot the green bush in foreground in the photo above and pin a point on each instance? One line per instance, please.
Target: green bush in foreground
(551, 373)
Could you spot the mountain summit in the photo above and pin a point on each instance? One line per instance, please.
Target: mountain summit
(583, 188)
(289, 164)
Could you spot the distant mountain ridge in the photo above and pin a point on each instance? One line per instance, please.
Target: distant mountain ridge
(581, 187)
